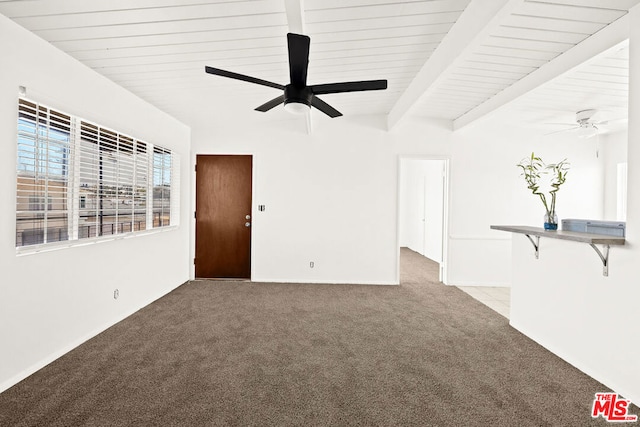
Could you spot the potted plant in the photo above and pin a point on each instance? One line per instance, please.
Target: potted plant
(533, 168)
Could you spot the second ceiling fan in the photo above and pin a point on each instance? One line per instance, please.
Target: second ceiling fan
(297, 96)
(586, 125)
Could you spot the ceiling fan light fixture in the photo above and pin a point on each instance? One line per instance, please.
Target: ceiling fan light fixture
(296, 107)
(587, 131)
(297, 100)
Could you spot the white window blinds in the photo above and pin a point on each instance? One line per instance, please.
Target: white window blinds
(78, 180)
(113, 182)
(161, 187)
(42, 187)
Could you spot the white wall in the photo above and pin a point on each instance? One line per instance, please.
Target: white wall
(50, 302)
(331, 197)
(614, 151)
(434, 209)
(411, 201)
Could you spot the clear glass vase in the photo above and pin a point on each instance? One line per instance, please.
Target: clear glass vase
(550, 221)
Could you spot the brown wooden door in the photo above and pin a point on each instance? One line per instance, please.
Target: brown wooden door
(223, 216)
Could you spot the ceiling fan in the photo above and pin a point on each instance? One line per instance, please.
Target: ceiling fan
(585, 125)
(297, 96)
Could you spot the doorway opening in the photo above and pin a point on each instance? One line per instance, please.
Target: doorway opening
(422, 209)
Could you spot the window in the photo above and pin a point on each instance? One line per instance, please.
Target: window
(161, 187)
(113, 182)
(36, 203)
(78, 180)
(42, 188)
(621, 194)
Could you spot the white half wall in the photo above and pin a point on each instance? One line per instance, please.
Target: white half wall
(51, 302)
(563, 302)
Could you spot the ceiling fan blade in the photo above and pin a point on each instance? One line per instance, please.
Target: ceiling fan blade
(269, 105)
(298, 58)
(349, 87)
(562, 130)
(608, 122)
(324, 107)
(231, 75)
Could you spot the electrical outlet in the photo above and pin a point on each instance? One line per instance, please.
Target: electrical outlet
(116, 294)
(311, 264)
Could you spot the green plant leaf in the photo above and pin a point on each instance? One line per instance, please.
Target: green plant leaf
(533, 168)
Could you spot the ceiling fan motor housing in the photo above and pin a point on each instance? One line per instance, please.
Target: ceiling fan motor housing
(585, 116)
(298, 95)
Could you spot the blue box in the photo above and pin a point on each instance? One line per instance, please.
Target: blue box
(608, 228)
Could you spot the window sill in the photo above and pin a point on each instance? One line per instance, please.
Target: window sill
(55, 246)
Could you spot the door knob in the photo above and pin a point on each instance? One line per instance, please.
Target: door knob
(248, 217)
(247, 224)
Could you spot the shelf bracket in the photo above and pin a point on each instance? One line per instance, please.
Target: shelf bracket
(589, 238)
(603, 257)
(536, 244)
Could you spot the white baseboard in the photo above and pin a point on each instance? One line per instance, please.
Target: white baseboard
(485, 284)
(325, 282)
(15, 379)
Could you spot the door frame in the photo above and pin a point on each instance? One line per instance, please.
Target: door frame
(444, 266)
(192, 219)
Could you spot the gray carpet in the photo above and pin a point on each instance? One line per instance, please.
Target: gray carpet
(255, 354)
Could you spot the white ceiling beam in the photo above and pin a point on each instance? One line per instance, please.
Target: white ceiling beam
(609, 36)
(475, 23)
(295, 15)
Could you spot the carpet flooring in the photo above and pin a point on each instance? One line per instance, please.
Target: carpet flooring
(256, 354)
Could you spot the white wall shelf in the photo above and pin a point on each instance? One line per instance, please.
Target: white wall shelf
(589, 238)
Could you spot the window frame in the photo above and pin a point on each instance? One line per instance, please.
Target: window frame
(133, 185)
(43, 142)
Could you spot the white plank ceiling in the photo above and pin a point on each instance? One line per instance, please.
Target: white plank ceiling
(600, 84)
(157, 49)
